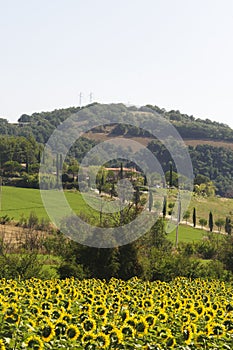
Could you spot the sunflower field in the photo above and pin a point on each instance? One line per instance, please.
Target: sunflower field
(95, 314)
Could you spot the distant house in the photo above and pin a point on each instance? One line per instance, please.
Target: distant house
(128, 171)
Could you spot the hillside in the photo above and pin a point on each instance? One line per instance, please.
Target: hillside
(210, 143)
(42, 124)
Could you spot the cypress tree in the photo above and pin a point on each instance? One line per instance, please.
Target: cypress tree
(121, 172)
(211, 222)
(228, 225)
(194, 217)
(137, 196)
(150, 200)
(164, 207)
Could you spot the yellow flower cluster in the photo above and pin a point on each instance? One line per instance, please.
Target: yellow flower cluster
(95, 314)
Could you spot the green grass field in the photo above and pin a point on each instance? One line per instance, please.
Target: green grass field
(187, 234)
(16, 202)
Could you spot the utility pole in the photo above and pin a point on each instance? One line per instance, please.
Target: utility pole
(91, 97)
(80, 99)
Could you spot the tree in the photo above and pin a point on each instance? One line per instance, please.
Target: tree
(219, 223)
(113, 190)
(171, 206)
(164, 207)
(150, 200)
(211, 222)
(200, 179)
(73, 168)
(186, 215)
(194, 217)
(121, 174)
(202, 222)
(137, 197)
(228, 225)
(170, 175)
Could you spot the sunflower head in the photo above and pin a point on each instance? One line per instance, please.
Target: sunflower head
(48, 332)
(2, 345)
(102, 340)
(72, 332)
(34, 342)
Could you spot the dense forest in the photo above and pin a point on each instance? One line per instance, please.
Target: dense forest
(21, 143)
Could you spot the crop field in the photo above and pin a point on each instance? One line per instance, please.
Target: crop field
(95, 314)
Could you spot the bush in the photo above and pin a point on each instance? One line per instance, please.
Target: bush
(24, 265)
(71, 269)
(206, 249)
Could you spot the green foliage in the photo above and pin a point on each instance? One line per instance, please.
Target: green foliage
(186, 215)
(219, 223)
(228, 225)
(71, 269)
(26, 265)
(226, 253)
(150, 200)
(5, 219)
(203, 222)
(23, 143)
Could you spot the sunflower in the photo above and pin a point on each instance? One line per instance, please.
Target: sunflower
(87, 339)
(148, 304)
(13, 318)
(164, 333)
(200, 338)
(125, 315)
(200, 309)
(34, 342)
(65, 317)
(228, 323)
(194, 315)
(89, 325)
(2, 345)
(217, 330)
(177, 305)
(60, 328)
(100, 310)
(142, 326)
(162, 316)
(102, 340)
(170, 342)
(187, 334)
(72, 332)
(48, 332)
(115, 336)
(127, 331)
(150, 319)
(131, 321)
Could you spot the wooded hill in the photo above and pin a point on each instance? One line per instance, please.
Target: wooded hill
(210, 143)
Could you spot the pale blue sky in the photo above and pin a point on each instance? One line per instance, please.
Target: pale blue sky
(177, 54)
